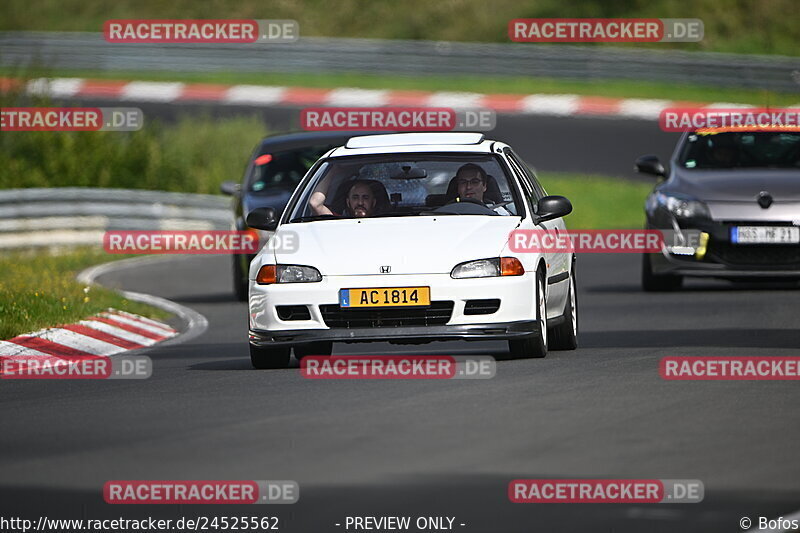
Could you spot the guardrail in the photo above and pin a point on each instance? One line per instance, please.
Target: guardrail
(317, 55)
(32, 218)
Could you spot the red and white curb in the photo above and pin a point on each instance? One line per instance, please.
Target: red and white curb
(105, 334)
(262, 95)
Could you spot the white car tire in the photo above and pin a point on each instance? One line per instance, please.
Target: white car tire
(322, 348)
(565, 335)
(263, 358)
(535, 347)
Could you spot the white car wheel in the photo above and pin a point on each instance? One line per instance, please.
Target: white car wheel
(565, 335)
(535, 346)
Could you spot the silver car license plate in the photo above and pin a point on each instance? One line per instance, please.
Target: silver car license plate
(765, 235)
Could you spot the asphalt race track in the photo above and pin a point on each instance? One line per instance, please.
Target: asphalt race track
(439, 448)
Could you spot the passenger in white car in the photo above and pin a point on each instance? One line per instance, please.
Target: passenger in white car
(360, 200)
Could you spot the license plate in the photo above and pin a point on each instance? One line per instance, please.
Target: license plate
(385, 297)
(765, 235)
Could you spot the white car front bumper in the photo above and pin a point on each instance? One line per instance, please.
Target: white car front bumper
(515, 316)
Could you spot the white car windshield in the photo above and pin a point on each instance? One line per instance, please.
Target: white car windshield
(407, 185)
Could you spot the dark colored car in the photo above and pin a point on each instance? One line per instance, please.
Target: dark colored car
(276, 166)
(740, 194)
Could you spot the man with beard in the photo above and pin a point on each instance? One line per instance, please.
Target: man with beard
(360, 201)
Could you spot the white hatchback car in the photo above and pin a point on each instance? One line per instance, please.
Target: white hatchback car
(405, 238)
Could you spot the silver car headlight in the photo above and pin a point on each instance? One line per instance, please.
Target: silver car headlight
(482, 268)
(269, 274)
(488, 268)
(682, 206)
(298, 274)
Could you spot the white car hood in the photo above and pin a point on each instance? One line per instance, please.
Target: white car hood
(408, 245)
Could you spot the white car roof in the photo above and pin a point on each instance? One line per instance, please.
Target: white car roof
(415, 142)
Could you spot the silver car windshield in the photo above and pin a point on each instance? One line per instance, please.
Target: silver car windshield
(741, 150)
(403, 185)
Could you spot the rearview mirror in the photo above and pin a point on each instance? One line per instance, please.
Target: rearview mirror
(265, 218)
(551, 207)
(229, 187)
(649, 164)
(411, 173)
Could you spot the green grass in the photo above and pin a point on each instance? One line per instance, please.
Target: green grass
(480, 84)
(599, 202)
(39, 290)
(743, 26)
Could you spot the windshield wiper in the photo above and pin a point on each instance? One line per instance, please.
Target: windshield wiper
(312, 218)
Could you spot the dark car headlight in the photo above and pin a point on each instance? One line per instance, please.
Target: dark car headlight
(682, 206)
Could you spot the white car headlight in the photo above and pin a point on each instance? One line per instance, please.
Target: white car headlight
(298, 274)
(268, 274)
(482, 268)
(488, 268)
(683, 207)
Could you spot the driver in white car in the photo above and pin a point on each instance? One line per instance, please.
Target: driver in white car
(471, 182)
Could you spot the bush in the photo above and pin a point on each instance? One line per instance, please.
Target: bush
(195, 154)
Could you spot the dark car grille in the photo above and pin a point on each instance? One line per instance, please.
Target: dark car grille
(293, 312)
(438, 314)
(775, 256)
(481, 307)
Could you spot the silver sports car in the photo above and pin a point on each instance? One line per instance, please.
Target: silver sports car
(740, 193)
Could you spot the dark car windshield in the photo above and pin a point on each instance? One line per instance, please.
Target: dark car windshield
(406, 184)
(283, 170)
(741, 150)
